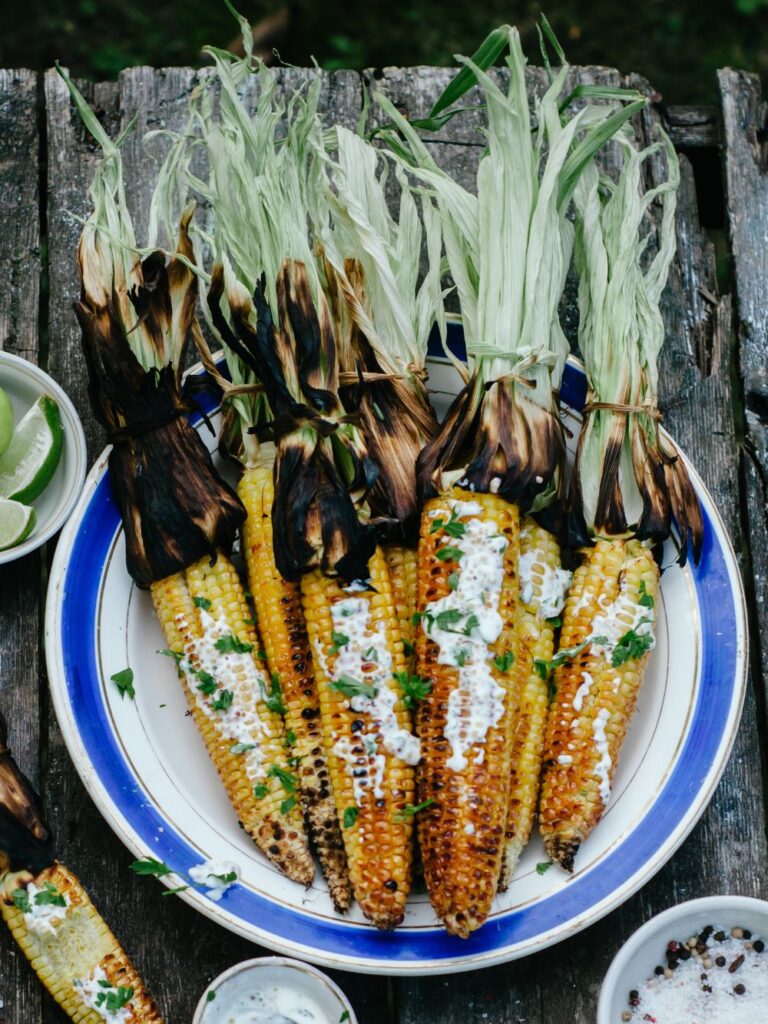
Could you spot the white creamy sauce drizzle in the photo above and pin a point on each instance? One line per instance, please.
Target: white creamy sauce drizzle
(211, 874)
(554, 583)
(603, 766)
(364, 657)
(620, 616)
(477, 703)
(583, 691)
(236, 672)
(43, 917)
(94, 985)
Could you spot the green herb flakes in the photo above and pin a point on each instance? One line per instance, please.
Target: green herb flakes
(350, 816)
(123, 680)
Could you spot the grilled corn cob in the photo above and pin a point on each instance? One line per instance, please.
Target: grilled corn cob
(605, 644)
(358, 656)
(543, 585)
(74, 953)
(403, 571)
(286, 645)
(207, 625)
(468, 593)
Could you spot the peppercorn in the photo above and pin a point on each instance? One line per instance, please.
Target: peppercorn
(739, 989)
(758, 945)
(720, 961)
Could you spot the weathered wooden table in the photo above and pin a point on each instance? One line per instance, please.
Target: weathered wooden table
(715, 397)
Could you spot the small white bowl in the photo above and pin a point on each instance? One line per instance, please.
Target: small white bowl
(635, 961)
(274, 971)
(24, 382)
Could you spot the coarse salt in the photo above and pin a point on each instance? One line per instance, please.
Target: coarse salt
(694, 994)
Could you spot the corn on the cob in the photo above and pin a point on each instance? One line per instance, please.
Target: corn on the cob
(468, 592)
(605, 643)
(543, 586)
(74, 953)
(358, 656)
(205, 617)
(286, 645)
(403, 571)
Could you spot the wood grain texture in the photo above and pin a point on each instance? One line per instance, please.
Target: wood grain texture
(177, 951)
(745, 158)
(19, 581)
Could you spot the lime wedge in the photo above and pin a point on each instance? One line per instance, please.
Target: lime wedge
(29, 461)
(16, 523)
(6, 421)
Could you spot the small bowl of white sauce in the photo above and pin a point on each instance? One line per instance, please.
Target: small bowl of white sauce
(706, 959)
(273, 990)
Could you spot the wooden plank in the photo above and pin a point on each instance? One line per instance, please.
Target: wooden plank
(19, 581)
(156, 932)
(693, 127)
(697, 398)
(745, 159)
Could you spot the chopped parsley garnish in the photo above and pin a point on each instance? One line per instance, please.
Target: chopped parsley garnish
(261, 655)
(176, 655)
(287, 805)
(505, 661)
(417, 617)
(453, 580)
(448, 553)
(452, 527)
(123, 680)
(450, 617)
(632, 645)
(260, 791)
(371, 654)
(471, 623)
(646, 599)
(543, 866)
(344, 1017)
(353, 687)
(20, 898)
(290, 738)
(50, 896)
(412, 687)
(350, 816)
(555, 621)
(227, 879)
(202, 602)
(207, 684)
(408, 648)
(223, 701)
(543, 668)
(115, 999)
(287, 781)
(241, 748)
(174, 892)
(150, 866)
(229, 644)
(461, 656)
(339, 640)
(210, 997)
(412, 809)
(274, 699)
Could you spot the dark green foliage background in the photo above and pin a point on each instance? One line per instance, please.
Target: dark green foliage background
(677, 44)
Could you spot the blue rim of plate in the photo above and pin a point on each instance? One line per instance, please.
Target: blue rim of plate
(71, 617)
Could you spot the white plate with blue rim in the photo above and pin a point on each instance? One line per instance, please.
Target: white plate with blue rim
(146, 768)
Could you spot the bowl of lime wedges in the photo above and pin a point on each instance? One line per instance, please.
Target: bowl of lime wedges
(42, 457)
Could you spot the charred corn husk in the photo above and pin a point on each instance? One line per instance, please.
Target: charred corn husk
(69, 945)
(605, 644)
(237, 708)
(286, 646)
(467, 599)
(543, 586)
(360, 669)
(403, 572)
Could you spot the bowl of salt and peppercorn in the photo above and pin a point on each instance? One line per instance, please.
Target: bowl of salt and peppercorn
(704, 960)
